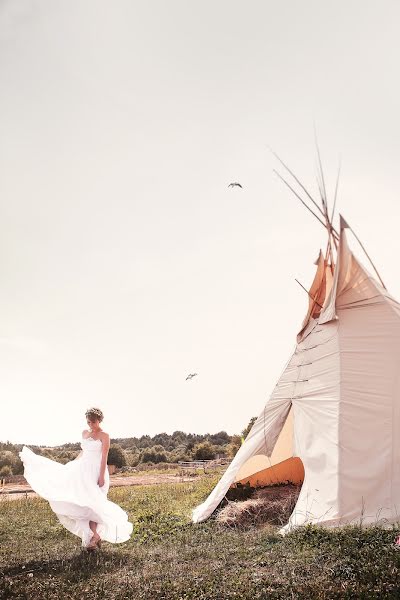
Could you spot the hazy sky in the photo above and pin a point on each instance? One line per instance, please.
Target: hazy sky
(125, 260)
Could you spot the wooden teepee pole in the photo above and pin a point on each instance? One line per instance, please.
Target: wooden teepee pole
(313, 299)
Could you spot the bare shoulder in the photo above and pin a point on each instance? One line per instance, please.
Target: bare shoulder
(84, 432)
(103, 435)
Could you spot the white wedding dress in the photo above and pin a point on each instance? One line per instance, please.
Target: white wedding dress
(74, 494)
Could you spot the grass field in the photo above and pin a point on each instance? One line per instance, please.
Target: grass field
(170, 558)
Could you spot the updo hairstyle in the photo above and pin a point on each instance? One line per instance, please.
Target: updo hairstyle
(94, 414)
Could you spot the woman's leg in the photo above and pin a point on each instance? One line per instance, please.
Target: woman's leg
(95, 536)
(93, 526)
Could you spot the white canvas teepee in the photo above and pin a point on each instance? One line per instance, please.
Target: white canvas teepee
(342, 385)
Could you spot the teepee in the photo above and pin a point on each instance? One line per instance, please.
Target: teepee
(334, 415)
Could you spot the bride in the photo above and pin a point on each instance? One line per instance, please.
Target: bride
(77, 491)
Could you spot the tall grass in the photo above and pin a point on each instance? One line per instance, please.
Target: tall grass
(170, 558)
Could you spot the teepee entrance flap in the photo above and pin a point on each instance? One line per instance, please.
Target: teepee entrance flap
(260, 440)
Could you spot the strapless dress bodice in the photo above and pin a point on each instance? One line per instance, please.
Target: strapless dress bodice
(90, 445)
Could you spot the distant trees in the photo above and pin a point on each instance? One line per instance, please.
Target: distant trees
(64, 456)
(160, 448)
(179, 437)
(246, 430)
(220, 439)
(145, 441)
(50, 453)
(164, 440)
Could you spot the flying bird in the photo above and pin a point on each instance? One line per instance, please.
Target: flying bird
(235, 184)
(190, 376)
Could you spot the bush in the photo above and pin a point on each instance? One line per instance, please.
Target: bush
(203, 451)
(5, 471)
(7, 458)
(156, 454)
(232, 449)
(50, 453)
(135, 460)
(176, 457)
(66, 456)
(132, 457)
(18, 466)
(11, 460)
(116, 456)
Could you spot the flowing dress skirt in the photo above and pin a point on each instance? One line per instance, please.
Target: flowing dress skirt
(74, 495)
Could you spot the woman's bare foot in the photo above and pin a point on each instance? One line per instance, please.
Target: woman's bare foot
(94, 542)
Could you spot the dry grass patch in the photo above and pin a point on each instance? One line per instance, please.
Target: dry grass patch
(272, 505)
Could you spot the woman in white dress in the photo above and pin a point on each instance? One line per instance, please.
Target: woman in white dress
(77, 491)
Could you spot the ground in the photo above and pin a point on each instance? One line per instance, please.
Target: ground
(168, 557)
(15, 491)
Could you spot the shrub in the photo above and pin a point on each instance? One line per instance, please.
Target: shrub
(203, 451)
(7, 458)
(18, 466)
(66, 456)
(116, 456)
(11, 460)
(156, 454)
(5, 471)
(231, 450)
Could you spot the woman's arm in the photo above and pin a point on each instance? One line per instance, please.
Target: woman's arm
(79, 455)
(105, 438)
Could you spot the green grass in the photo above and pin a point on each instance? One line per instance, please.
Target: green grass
(170, 558)
(142, 470)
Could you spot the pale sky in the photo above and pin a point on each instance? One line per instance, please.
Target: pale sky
(126, 262)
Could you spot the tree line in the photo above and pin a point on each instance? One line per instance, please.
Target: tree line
(163, 448)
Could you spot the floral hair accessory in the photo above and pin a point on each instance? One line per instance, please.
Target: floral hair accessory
(94, 413)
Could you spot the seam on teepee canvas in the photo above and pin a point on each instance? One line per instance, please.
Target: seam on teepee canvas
(294, 397)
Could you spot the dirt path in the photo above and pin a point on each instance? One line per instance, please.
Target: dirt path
(13, 491)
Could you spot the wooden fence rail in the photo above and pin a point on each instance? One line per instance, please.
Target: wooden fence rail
(203, 464)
